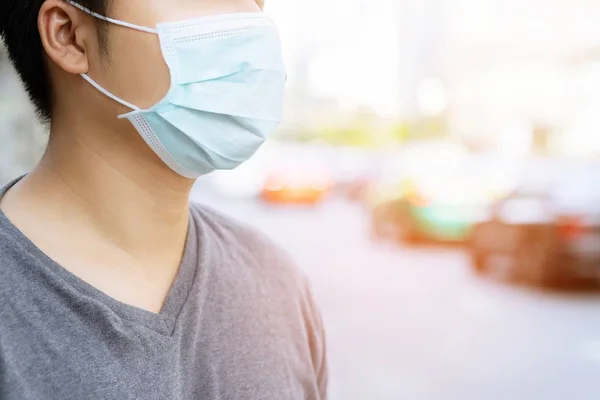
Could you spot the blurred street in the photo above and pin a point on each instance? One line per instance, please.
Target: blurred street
(469, 121)
(404, 323)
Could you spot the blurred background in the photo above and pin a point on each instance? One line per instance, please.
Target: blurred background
(438, 178)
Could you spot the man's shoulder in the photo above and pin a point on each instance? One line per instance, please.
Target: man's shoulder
(220, 221)
(14, 259)
(244, 240)
(12, 249)
(231, 229)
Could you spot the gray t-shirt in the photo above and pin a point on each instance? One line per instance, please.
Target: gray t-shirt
(238, 323)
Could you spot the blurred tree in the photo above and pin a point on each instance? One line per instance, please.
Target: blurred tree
(429, 128)
(349, 136)
(401, 132)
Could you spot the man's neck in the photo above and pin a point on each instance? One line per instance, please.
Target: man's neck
(114, 189)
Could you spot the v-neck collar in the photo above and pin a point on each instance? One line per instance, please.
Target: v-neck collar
(165, 321)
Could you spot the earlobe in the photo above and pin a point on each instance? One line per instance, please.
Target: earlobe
(64, 33)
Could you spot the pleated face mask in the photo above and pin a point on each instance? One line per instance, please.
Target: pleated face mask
(226, 94)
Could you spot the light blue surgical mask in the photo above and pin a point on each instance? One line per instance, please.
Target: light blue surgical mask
(226, 94)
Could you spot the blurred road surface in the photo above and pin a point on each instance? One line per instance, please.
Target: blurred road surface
(413, 323)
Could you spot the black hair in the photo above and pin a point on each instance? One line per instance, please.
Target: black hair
(19, 31)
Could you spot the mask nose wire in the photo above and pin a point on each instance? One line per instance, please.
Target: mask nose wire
(112, 20)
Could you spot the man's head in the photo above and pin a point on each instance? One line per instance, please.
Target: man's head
(19, 30)
(51, 42)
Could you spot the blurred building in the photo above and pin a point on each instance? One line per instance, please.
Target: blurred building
(342, 56)
(511, 75)
(21, 137)
(500, 71)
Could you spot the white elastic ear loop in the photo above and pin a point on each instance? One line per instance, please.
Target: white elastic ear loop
(109, 94)
(112, 20)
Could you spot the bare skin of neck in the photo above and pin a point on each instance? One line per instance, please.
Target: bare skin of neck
(104, 207)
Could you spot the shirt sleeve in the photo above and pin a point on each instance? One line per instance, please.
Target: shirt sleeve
(317, 343)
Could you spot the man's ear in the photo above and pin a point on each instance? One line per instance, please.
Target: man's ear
(67, 35)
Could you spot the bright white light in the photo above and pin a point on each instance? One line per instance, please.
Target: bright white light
(431, 97)
(516, 139)
(350, 47)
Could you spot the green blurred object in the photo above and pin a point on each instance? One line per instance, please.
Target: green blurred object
(429, 201)
(409, 217)
(365, 131)
(441, 222)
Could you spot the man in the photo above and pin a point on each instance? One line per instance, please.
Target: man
(111, 285)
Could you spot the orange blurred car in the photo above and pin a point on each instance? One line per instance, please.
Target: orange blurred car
(306, 187)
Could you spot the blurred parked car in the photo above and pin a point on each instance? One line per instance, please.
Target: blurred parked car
(357, 189)
(352, 170)
(440, 203)
(245, 181)
(308, 187)
(548, 230)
